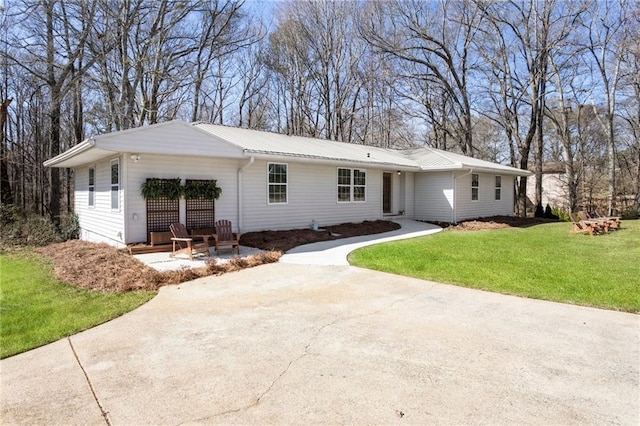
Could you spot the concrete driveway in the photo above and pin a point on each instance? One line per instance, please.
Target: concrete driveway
(299, 344)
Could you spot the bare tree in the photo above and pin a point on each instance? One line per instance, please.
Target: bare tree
(223, 32)
(516, 49)
(5, 183)
(52, 41)
(603, 44)
(433, 41)
(630, 110)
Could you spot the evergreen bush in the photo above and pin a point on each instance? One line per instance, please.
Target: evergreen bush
(539, 211)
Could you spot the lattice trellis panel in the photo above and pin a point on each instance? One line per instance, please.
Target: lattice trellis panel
(161, 213)
(200, 211)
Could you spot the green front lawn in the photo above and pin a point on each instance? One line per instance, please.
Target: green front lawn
(36, 308)
(542, 262)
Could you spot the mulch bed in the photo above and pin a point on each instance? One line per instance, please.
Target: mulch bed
(286, 240)
(497, 222)
(101, 267)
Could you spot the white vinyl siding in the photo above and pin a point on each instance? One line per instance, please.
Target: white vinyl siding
(173, 138)
(98, 223)
(224, 170)
(434, 196)
(486, 205)
(311, 196)
(277, 181)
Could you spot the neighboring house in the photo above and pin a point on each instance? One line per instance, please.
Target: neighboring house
(271, 181)
(555, 192)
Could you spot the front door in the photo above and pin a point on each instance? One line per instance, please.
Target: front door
(386, 192)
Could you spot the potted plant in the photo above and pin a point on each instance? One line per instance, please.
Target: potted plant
(155, 188)
(207, 189)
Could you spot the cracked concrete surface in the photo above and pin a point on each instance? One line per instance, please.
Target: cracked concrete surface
(291, 344)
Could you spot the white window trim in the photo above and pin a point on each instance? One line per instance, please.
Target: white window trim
(90, 186)
(477, 188)
(351, 185)
(112, 185)
(498, 188)
(286, 184)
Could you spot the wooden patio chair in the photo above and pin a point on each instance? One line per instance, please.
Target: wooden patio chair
(614, 221)
(604, 223)
(224, 237)
(183, 243)
(580, 225)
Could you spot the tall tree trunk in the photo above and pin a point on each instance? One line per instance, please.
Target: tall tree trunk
(5, 183)
(637, 206)
(54, 116)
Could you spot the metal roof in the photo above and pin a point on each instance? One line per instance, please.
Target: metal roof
(212, 140)
(431, 159)
(275, 144)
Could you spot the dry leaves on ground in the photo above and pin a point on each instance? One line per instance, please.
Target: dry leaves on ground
(101, 267)
(286, 240)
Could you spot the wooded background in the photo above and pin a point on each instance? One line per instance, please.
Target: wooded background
(517, 82)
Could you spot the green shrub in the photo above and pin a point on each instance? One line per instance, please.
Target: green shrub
(38, 231)
(548, 213)
(27, 229)
(69, 227)
(561, 214)
(539, 211)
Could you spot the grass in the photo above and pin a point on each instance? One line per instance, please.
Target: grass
(36, 308)
(542, 262)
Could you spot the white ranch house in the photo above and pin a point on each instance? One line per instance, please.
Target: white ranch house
(271, 181)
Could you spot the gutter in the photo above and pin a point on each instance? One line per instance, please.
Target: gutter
(76, 150)
(252, 159)
(285, 156)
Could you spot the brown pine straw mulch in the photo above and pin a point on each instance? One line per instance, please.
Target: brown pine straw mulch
(101, 267)
(494, 222)
(286, 240)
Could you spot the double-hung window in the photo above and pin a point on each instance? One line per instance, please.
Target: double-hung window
(498, 188)
(352, 185)
(115, 184)
(277, 183)
(475, 184)
(92, 186)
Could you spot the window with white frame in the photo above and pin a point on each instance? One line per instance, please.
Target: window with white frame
(475, 184)
(352, 185)
(115, 184)
(498, 188)
(92, 186)
(277, 183)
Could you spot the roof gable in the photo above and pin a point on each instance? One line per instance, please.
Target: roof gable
(169, 138)
(431, 159)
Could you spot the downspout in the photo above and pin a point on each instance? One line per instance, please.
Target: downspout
(240, 204)
(455, 193)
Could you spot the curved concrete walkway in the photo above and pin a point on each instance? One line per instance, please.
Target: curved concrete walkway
(306, 344)
(335, 252)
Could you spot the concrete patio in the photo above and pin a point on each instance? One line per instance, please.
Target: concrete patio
(332, 252)
(164, 262)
